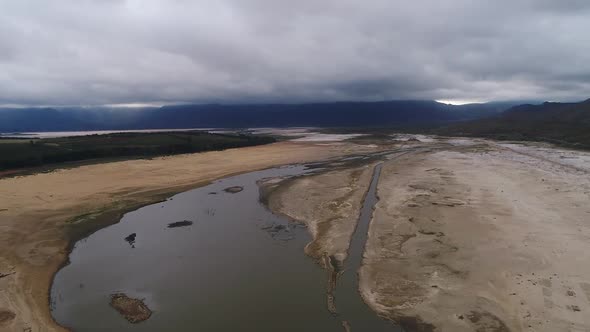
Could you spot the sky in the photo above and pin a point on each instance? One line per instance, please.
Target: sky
(143, 52)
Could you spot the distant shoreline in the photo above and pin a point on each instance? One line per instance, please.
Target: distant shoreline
(52, 151)
(74, 133)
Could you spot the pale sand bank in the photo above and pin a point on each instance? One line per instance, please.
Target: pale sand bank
(481, 241)
(468, 236)
(329, 204)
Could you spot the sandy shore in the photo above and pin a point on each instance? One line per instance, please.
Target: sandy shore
(469, 235)
(41, 215)
(329, 204)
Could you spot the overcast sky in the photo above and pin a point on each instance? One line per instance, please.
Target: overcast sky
(85, 52)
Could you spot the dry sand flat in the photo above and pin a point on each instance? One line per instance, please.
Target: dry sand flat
(468, 235)
(41, 214)
(490, 240)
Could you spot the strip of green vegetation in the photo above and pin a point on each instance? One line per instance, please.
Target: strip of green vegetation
(38, 152)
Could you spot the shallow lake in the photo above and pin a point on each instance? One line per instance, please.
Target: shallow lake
(236, 267)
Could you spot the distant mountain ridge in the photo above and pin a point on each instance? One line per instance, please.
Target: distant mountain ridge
(561, 123)
(335, 114)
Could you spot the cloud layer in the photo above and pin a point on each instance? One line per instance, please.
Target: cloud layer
(89, 52)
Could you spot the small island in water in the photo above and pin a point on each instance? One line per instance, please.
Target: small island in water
(134, 310)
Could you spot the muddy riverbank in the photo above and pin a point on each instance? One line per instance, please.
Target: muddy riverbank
(41, 215)
(470, 235)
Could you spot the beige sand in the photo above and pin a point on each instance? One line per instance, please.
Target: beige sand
(468, 235)
(329, 204)
(41, 214)
(481, 240)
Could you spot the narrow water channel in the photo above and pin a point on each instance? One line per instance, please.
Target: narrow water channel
(237, 267)
(355, 314)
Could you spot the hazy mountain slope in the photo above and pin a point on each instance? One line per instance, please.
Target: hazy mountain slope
(563, 123)
(339, 114)
(38, 119)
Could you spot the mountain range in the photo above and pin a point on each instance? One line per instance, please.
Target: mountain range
(399, 113)
(560, 123)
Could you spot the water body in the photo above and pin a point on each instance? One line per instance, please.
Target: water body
(57, 134)
(236, 267)
(348, 301)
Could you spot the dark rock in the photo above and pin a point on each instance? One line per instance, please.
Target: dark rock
(234, 189)
(183, 223)
(573, 307)
(131, 239)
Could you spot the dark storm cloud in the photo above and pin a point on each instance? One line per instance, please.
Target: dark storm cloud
(142, 51)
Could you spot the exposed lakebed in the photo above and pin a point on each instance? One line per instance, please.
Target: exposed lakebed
(237, 267)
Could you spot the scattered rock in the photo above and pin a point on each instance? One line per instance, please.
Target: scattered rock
(280, 231)
(573, 308)
(233, 190)
(183, 223)
(485, 321)
(131, 239)
(134, 310)
(571, 293)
